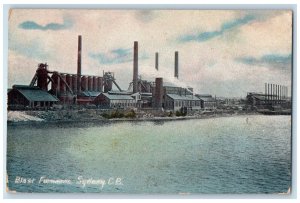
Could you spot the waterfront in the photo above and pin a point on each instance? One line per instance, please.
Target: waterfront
(242, 154)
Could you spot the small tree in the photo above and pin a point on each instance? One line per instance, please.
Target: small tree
(130, 114)
(105, 115)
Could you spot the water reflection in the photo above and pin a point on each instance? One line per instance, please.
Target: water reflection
(220, 155)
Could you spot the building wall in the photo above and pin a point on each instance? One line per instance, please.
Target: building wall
(176, 105)
(208, 105)
(169, 103)
(16, 101)
(266, 103)
(16, 98)
(103, 102)
(122, 103)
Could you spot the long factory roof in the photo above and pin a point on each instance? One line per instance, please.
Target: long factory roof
(91, 93)
(183, 97)
(117, 96)
(35, 93)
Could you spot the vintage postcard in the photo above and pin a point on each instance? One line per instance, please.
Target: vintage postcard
(149, 101)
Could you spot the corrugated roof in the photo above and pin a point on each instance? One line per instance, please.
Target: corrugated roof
(117, 97)
(91, 93)
(146, 94)
(207, 99)
(37, 95)
(203, 95)
(265, 97)
(183, 97)
(261, 96)
(26, 87)
(120, 93)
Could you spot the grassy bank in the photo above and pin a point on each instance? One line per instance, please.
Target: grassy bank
(76, 117)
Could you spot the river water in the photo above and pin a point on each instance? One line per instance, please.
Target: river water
(242, 154)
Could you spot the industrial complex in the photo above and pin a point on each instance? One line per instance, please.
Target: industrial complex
(50, 89)
(275, 99)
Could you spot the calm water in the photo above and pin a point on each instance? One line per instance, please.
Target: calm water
(217, 155)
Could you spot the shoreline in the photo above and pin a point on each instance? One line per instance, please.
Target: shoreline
(101, 121)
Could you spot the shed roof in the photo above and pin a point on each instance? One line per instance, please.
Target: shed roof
(91, 93)
(120, 92)
(36, 94)
(265, 97)
(183, 97)
(207, 99)
(203, 95)
(117, 96)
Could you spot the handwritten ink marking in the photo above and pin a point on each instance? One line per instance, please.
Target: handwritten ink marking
(45, 180)
(22, 180)
(119, 181)
(115, 181)
(111, 181)
(82, 181)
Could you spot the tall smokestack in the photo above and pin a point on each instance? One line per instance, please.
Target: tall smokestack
(158, 98)
(280, 93)
(176, 64)
(276, 88)
(135, 67)
(271, 94)
(156, 60)
(265, 93)
(278, 97)
(268, 92)
(79, 64)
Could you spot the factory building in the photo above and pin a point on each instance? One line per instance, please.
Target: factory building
(262, 101)
(171, 97)
(86, 97)
(26, 97)
(115, 101)
(146, 100)
(81, 89)
(174, 98)
(274, 96)
(207, 101)
(178, 98)
(73, 88)
(176, 102)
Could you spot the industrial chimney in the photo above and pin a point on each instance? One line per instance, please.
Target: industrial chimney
(135, 67)
(176, 64)
(156, 60)
(79, 64)
(158, 99)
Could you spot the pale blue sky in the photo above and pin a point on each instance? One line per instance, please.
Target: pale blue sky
(224, 53)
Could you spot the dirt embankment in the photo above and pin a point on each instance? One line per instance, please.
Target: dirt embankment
(61, 115)
(17, 116)
(88, 115)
